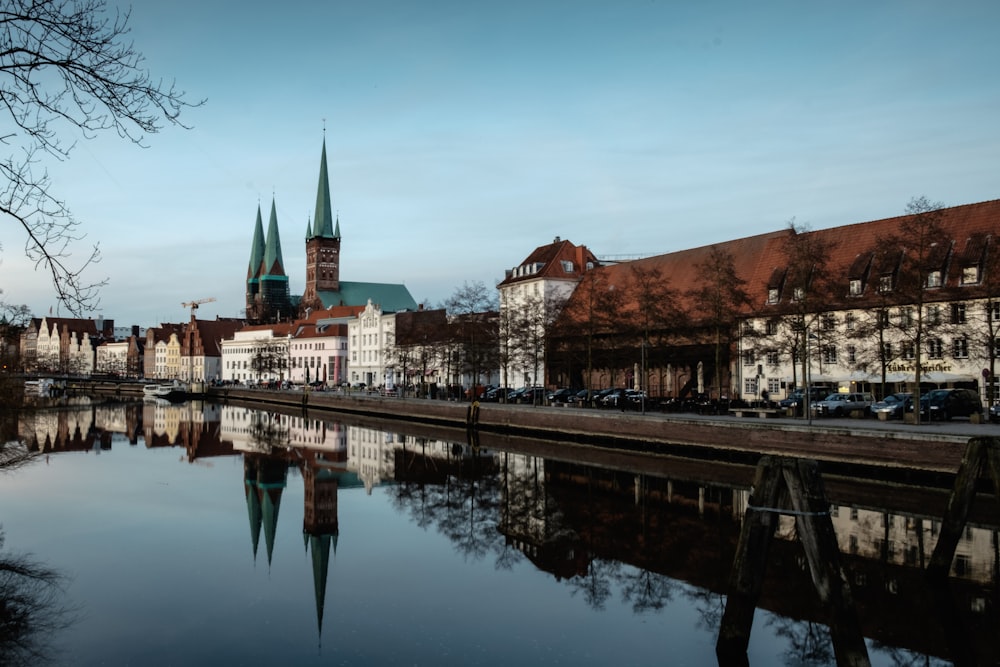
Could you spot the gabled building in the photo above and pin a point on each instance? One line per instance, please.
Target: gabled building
(531, 296)
(201, 352)
(63, 345)
(162, 360)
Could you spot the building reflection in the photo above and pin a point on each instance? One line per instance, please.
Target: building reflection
(654, 536)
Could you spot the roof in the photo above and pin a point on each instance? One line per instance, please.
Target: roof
(273, 263)
(323, 220)
(551, 262)
(256, 249)
(421, 327)
(389, 297)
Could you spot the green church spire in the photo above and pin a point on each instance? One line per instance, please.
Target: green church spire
(274, 265)
(323, 220)
(256, 249)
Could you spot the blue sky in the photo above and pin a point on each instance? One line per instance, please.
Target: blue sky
(462, 135)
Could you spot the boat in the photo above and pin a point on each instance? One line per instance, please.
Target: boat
(171, 392)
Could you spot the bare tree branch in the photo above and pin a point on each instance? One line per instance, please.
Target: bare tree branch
(68, 65)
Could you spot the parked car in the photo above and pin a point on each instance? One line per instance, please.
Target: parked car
(618, 397)
(947, 403)
(532, 395)
(893, 406)
(841, 404)
(563, 395)
(995, 413)
(794, 400)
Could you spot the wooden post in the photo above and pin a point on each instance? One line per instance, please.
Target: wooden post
(796, 481)
(979, 451)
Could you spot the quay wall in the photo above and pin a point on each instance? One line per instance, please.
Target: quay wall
(846, 442)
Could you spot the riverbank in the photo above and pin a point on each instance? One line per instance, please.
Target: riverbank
(896, 448)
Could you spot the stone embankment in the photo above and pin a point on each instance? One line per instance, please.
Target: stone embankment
(895, 449)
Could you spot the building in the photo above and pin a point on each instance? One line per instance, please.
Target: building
(63, 345)
(868, 306)
(267, 289)
(531, 296)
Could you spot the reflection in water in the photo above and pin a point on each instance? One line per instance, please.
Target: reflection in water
(652, 540)
(32, 610)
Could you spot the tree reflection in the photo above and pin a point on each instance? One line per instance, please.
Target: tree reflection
(645, 590)
(809, 643)
(31, 610)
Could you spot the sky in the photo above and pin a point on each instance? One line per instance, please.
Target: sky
(462, 135)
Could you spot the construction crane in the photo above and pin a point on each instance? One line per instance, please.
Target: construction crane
(193, 305)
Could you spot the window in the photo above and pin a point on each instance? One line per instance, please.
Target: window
(748, 358)
(993, 311)
(908, 351)
(850, 321)
(905, 318)
(934, 279)
(773, 385)
(855, 287)
(829, 354)
(772, 327)
(883, 318)
(886, 351)
(829, 323)
(852, 354)
(934, 315)
(798, 294)
(772, 295)
(970, 275)
(750, 386)
(960, 348)
(958, 313)
(772, 358)
(935, 348)
(885, 283)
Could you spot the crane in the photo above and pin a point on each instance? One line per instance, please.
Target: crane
(193, 305)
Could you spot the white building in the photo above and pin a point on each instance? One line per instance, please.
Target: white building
(371, 337)
(257, 354)
(531, 295)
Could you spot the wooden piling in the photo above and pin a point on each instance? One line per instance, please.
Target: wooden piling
(980, 452)
(778, 483)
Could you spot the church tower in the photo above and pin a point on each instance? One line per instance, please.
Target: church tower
(253, 271)
(322, 244)
(268, 298)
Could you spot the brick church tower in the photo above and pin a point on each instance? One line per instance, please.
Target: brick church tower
(322, 245)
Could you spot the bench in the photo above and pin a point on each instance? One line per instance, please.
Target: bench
(762, 413)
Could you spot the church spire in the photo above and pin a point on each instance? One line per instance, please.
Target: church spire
(256, 249)
(274, 265)
(323, 220)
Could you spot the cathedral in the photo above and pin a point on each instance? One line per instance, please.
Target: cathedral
(268, 297)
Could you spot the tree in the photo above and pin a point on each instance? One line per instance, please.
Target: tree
(808, 286)
(68, 65)
(472, 309)
(722, 297)
(923, 248)
(654, 312)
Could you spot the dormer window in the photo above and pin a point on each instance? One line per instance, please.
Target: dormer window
(885, 283)
(970, 275)
(772, 295)
(855, 287)
(567, 266)
(934, 279)
(798, 294)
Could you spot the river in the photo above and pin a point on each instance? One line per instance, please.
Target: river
(200, 534)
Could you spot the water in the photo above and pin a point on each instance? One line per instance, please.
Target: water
(209, 536)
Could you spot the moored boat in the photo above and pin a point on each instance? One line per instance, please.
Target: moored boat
(172, 392)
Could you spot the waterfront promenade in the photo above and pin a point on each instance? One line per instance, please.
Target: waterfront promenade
(893, 448)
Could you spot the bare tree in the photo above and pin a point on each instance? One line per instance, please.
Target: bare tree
(68, 65)
(473, 310)
(721, 297)
(924, 248)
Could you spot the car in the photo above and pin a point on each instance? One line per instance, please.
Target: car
(841, 404)
(995, 413)
(893, 406)
(532, 395)
(794, 400)
(563, 395)
(943, 404)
